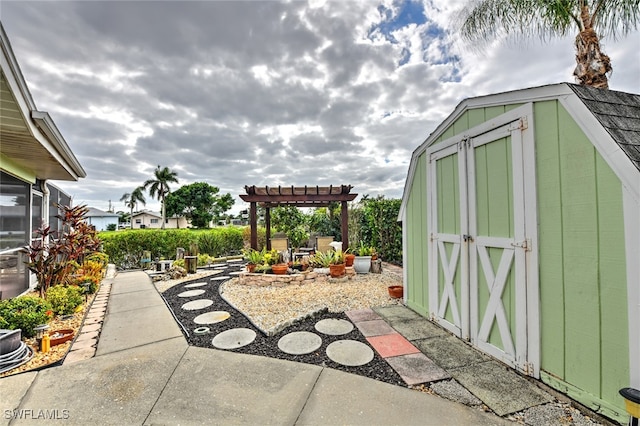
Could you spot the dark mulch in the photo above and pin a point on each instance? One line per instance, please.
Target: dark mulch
(268, 345)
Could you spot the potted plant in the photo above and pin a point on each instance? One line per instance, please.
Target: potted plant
(349, 257)
(274, 259)
(321, 261)
(362, 261)
(336, 264)
(254, 258)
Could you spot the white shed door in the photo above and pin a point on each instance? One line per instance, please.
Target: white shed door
(478, 263)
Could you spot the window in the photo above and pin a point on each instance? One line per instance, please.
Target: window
(36, 213)
(138, 221)
(154, 220)
(15, 200)
(15, 218)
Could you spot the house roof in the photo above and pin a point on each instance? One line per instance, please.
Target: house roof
(148, 213)
(610, 119)
(28, 137)
(93, 212)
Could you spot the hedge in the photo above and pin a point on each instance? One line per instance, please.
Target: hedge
(125, 248)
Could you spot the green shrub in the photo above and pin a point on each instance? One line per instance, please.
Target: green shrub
(25, 313)
(125, 248)
(65, 299)
(111, 227)
(262, 237)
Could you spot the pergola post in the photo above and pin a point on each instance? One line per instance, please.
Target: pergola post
(253, 219)
(344, 226)
(267, 224)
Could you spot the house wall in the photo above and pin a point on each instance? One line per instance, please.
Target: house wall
(145, 219)
(582, 270)
(101, 223)
(172, 222)
(584, 322)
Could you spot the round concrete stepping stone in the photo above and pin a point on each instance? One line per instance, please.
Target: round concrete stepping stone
(212, 317)
(349, 353)
(234, 338)
(191, 293)
(299, 343)
(194, 305)
(334, 326)
(195, 285)
(224, 277)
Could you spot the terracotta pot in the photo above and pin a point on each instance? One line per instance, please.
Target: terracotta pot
(349, 258)
(395, 291)
(251, 267)
(336, 270)
(280, 268)
(60, 336)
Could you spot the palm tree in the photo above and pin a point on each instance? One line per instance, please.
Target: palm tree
(131, 200)
(485, 20)
(160, 186)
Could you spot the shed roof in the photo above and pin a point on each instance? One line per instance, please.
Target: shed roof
(618, 113)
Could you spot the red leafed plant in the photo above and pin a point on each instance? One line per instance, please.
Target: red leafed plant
(52, 255)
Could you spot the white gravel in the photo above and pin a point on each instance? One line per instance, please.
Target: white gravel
(270, 306)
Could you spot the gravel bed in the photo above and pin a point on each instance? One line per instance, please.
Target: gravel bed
(328, 303)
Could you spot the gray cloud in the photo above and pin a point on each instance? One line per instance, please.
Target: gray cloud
(259, 92)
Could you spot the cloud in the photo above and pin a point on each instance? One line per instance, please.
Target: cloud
(263, 92)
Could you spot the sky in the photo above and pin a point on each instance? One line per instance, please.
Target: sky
(237, 93)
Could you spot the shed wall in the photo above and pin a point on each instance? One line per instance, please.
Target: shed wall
(584, 322)
(416, 234)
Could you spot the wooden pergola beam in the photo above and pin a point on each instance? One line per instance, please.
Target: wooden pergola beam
(306, 196)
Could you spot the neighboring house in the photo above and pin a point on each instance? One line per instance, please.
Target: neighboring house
(100, 220)
(147, 219)
(32, 151)
(521, 235)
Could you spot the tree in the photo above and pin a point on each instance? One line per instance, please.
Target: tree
(199, 202)
(292, 222)
(131, 200)
(485, 20)
(160, 187)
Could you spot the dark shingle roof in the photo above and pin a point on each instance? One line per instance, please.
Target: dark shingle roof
(618, 113)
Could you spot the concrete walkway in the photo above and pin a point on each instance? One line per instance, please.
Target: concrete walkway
(143, 372)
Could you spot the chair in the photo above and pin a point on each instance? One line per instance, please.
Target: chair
(322, 244)
(280, 244)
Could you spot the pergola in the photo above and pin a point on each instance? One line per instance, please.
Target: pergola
(297, 196)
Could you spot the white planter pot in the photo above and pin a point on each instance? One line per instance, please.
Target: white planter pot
(362, 264)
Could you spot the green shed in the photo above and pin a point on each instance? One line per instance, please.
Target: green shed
(521, 235)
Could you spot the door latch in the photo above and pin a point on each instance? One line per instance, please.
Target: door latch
(467, 238)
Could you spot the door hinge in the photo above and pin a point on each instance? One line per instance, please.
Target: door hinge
(525, 244)
(524, 123)
(528, 369)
